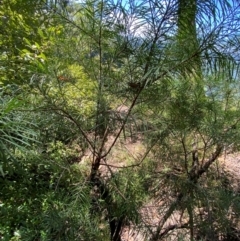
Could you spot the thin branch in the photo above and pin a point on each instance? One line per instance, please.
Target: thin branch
(173, 227)
(68, 115)
(185, 154)
(169, 212)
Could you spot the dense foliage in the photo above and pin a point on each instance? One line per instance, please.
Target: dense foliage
(114, 115)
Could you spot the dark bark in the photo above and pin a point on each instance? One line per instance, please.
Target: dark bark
(115, 228)
(101, 190)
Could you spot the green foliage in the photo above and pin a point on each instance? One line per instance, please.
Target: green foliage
(16, 130)
(21, 38)
(38, 199)
(66, 73)
(129, 189)
(74, 90)
(37, 181)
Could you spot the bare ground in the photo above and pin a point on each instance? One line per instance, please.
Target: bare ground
(229, 164)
